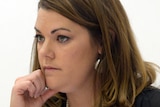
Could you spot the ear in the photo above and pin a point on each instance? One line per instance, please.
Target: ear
(113, 36)
(99, 49)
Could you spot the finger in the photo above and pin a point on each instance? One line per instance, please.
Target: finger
(37, 80)
(39, 89)
(24, 87)
(39, 83)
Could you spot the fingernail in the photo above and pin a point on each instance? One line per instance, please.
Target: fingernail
(35, 96)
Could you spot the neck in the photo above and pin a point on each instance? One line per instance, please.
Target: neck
(84, 97)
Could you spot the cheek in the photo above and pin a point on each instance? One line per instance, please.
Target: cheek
(70, 58)
(40, 56)
(78, 68)
(79, 59)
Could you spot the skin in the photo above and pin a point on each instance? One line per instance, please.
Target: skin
(67, 55)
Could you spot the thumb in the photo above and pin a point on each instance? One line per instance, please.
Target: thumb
(48, 94)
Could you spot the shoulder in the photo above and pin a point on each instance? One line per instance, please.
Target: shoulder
(149, 97)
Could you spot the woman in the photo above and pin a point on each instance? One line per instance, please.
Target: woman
(85, 55)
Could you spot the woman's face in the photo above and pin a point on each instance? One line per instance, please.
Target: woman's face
(67, 54)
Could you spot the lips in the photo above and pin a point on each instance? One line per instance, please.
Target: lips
(50, 69)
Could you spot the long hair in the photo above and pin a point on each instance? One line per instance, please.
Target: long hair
(122, 73)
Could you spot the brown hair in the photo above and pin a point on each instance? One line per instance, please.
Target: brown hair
(122, 72)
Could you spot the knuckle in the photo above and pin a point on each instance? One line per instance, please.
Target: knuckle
(18, 79)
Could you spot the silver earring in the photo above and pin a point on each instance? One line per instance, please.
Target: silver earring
(97, 63)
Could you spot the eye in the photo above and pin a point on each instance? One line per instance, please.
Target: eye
(40, 38)
(62, 38)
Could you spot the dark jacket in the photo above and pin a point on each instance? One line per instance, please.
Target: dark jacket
(149, 97)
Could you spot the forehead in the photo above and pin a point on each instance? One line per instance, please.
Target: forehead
(49, 20)
(49, 17)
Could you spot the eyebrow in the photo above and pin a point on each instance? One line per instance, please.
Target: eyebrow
(53, 31)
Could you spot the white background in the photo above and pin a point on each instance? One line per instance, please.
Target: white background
(17, 18)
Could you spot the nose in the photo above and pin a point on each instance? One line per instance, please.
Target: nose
(46, 49)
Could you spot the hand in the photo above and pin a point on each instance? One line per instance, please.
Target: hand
(30, 91)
